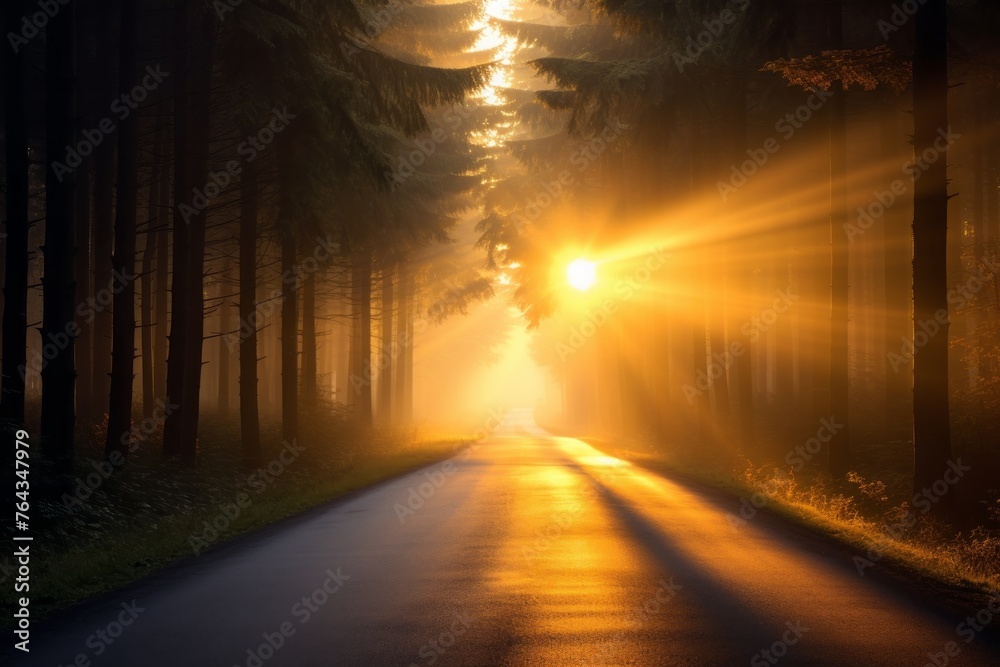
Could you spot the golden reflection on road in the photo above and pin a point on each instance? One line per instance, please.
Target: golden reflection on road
(591, 536)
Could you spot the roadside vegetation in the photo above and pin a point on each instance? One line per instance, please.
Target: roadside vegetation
(113, 529)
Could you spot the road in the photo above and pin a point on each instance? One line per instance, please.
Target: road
(528, 549)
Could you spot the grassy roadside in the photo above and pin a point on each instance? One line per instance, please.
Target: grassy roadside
(961, 570)
(153, 513)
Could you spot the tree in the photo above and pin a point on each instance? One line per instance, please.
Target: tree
(247, 331)
(104, 211)
(931, 412)
(194, 35)
(123, 342)
(839, 446)
(58, 283)
(15, 287)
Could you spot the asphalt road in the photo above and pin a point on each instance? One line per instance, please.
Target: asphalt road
(527, 550)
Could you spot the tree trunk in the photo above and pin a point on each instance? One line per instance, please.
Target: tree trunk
(148, 391)
(840, 456)
(309, 344)
(385, 364)
(344, 329)
(174, 440)
(249, 416)
(162, 280)
(717, 324)
(897, 252)
(931, 415)
(289, 336)
(224, 327)
(361, 380)
(403, 394)
(15, 290)
(744, 377)
(191, 145)
(86, 66)
(58, 331)
(104, 182)
(201, 79)
(123, 265)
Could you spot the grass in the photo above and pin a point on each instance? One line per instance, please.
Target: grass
(152, 512)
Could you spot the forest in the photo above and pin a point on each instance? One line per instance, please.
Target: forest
(753, 243)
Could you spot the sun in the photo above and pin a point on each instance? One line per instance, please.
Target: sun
(582, 274)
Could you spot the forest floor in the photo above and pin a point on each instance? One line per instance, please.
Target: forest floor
(116, 528)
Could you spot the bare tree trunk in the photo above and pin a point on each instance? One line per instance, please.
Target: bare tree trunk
(744, 377)
(123, 263)
(717, 323)
(342, 349)
(362, 391)
(249, 415)
(104, 182)
(173, 437)
(386, 362)
(204, 32)
(190, 166)
(931, 414)
(162, 280)
(86, 66)
(403, 393)
(403, 342)
(698, 300)
(148, 392)
(897, 251)
(289, 337)
(58, 285)
(840, 454)
(224, 326)
(309, 343)
(15, 287)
